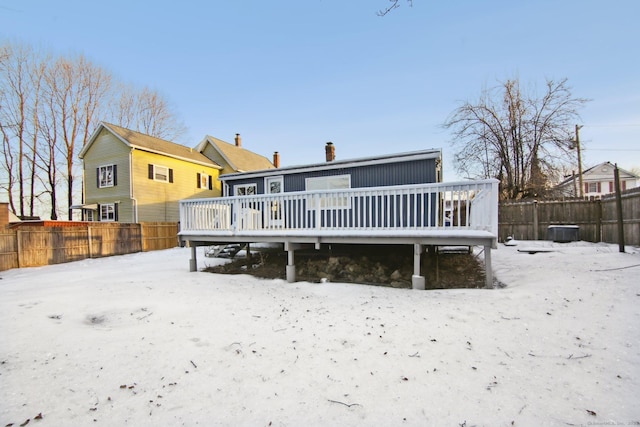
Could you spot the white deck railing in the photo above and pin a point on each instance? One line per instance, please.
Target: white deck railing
(470, 205)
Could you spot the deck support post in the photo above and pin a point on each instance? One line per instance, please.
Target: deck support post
(193, 263)
(291, 265)
(488, 271)
(417, 281)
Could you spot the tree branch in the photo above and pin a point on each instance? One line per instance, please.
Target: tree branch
(394, 5)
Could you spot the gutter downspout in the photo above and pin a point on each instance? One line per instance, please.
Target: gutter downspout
(133, 199)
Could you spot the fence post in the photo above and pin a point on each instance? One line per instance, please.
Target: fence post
(19, 247)
(142, 236)
(616, 175)
(535, 220)
(89, 242)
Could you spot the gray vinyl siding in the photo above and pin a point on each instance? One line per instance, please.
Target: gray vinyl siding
(106, 150)
(413, 172)
(380, 175)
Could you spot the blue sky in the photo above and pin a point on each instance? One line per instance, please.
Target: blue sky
(292, 75)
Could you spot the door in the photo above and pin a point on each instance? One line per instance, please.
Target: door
(275, 217)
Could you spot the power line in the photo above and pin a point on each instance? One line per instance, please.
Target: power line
(614, 126)
(611, 149)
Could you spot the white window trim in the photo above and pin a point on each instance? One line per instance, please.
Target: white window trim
(204, 181)
(269, 179)
(236, 188)
(323, 183)
(155, 173)
(112, 211)
(112, 177)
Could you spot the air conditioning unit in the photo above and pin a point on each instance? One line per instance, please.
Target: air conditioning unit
(563, 233)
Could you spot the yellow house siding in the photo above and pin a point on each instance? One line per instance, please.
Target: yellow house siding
(159, 201)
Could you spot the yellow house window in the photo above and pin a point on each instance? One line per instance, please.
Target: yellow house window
(204, 181)
(160, 173)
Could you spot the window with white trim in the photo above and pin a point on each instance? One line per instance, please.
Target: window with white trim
(106, 176)
(245, 190)
(160, 173)
(204, 181)
(108, 212)
(336, 182)
(592, 187)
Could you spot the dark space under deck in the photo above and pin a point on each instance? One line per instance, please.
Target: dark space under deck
(297, 239)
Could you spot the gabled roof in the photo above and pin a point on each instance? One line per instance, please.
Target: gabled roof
(141, 141)
(340, 164)
(238, 158)
(591, 170)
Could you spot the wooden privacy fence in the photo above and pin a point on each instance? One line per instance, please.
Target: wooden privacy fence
(596, 218)
(32, 246)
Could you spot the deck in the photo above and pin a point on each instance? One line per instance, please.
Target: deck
(464, 213)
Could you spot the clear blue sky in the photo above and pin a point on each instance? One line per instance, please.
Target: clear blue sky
(292, 75)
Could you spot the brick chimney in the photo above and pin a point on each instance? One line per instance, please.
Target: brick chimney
(276, 159)
(238, 140)
(330, 150)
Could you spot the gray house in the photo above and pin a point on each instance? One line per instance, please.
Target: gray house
(417, 167)
(388, 199)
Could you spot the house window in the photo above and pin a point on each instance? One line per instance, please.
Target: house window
(245, 190)
(106, 176)
(593, 187)
(88, 215)
(337, 182)
(204, 181)
(109, 212)
(160, 173)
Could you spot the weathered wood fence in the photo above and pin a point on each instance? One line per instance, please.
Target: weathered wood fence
(597, 218)
(31, 246)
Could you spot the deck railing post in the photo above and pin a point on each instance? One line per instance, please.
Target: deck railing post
(235, 215)
(417, 281)
(422, 207)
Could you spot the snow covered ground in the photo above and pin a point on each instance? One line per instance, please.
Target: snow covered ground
(139, 340)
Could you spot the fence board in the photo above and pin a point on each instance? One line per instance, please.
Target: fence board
(31, 246)
(597, 218)
(8, 250)
(159, 235)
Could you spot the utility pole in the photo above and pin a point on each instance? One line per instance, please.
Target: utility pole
(579, 160)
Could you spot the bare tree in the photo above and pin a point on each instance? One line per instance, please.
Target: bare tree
(37, 70)
(521, 139)
(16, 94)
(77, 88)
(49, 106)
(8, 161)
(147, 112)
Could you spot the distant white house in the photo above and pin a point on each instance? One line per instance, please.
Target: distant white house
(597, 181)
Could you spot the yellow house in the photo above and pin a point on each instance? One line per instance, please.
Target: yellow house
(133, 177)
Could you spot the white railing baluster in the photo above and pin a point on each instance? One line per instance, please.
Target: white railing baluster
(467, 205)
